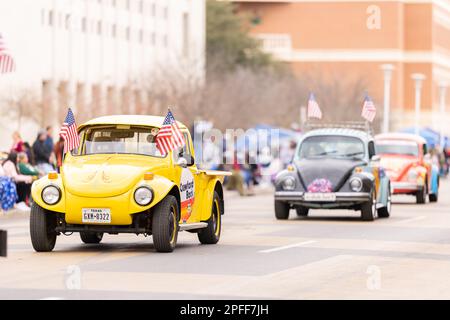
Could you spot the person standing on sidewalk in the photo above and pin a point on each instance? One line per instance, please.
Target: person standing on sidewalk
(59, 153)
(42, 153)
(17, 142)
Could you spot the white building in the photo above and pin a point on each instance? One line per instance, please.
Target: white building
(97, 56)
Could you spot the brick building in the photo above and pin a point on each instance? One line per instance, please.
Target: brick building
(352, 37)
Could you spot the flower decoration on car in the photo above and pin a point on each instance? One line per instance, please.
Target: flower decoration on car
(320, 185)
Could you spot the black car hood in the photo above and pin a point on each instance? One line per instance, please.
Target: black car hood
(337, 171)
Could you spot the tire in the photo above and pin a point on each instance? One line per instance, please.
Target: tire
(281, 210)
(42, 229)
(368, 209)
(91, 237)
(302, 211)
(165, 224)
(421, 195)
(385, 212)
(211, 234)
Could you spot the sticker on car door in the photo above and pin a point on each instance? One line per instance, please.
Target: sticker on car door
(187, 190)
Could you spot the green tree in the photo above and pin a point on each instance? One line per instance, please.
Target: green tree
(228, 43)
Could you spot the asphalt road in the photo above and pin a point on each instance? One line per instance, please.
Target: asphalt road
(329, 255)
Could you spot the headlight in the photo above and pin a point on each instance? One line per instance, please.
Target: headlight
(51, 195)
(356, 184)
(143, 196)
(288, 183)
(412, 175)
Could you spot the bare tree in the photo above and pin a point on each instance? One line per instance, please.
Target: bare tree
(23, 105)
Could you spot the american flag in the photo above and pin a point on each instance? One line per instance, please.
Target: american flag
(369, 110)
(313, 108)
(169, 136)
(7, 63)
(69, 133)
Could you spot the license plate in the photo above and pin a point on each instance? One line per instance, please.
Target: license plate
(320, 197)
(96, 215)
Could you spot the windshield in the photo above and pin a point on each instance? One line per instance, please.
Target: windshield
(120, 139)
(399, 147)
(340, 147)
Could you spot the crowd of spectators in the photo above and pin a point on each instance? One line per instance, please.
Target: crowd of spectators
(25, 163)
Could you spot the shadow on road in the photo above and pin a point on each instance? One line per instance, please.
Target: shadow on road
(330, 219)
(116, 247)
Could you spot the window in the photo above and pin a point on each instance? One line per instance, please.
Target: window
(183, 152)
(67, 21)
(185, 33)
(153, 38)
(51, 18)
(84, 26)
(120, 139)
(128, 33)
(409, 148)
(43, 16)
(114, 31)
(330, 146)
(99, 27)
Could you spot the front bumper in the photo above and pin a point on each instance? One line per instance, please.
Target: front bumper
(405, 187)
(344, 198)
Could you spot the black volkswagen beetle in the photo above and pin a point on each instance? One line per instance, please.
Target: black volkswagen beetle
(334, 168)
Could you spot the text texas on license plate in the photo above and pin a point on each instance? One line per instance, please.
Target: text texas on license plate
(96, 215)
(320, 196)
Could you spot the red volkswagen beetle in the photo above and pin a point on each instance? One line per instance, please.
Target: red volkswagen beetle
(408, 164)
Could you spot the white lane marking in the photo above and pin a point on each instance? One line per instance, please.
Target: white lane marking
(412, 219)
(289, 246)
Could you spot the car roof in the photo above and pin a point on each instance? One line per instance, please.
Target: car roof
(339, 132)
(401, 136)
(140, 120)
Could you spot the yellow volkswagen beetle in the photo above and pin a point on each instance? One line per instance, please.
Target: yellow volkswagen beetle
(118, 182)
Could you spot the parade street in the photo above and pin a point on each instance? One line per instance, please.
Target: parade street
(329, 255)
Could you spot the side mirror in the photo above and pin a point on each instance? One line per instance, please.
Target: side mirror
(182, 162)
(189, 159)
(375, 158)
(186, 161)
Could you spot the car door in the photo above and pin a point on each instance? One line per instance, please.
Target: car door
(189, 183)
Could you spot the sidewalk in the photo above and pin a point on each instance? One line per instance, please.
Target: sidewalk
(13, 214)
(258, 190)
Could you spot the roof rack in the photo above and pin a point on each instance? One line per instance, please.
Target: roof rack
(356, 125)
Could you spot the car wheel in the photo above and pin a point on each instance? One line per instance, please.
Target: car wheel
(421, 195)
(302, 211)
(211, 234)
(42, 229)
(281, 210)
(385, 212)
(369, 209)
(165, 224)
(91, 237)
